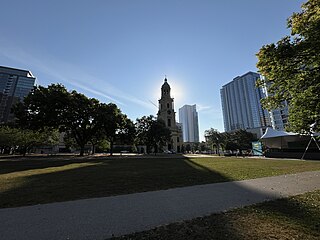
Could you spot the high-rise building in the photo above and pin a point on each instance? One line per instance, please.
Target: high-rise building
(241, 106)
(278, 117)
(15, 84)
(188, 117)
(167, 114)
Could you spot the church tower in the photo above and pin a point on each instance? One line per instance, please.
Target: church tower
(167, 114)
(166, 106)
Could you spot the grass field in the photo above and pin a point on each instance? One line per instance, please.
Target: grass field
(28, 181)
(289, 218)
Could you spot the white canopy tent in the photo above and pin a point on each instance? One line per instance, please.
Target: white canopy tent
(278, 139)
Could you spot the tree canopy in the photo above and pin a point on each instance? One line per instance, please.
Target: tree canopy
(291, 68)
(84, 120)
(152, 132)
(239, 139)
(24, 139)
(214, 138)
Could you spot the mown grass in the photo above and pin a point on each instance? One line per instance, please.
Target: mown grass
(289, 218)
(28, 181)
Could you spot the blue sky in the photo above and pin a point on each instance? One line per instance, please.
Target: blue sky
(120, 50)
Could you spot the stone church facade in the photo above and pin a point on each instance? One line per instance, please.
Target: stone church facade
(168, 115)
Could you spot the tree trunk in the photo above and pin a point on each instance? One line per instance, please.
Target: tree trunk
(148, 149)
(81, 150)
(93, 149)
(111, 147)
(155, 149)
(24, 151)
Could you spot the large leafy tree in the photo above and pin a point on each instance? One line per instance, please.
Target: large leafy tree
(143, 126)
(152, 132)
(79, 119)
(44, 107)
(114, 125)
(214, 138)
(55, 107)
(292, 69)
(25, 139)
(84, 120)
(239, 139)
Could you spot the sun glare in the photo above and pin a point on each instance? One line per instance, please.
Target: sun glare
(177, 91)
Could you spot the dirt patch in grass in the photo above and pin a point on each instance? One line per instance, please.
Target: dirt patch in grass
(289, 218)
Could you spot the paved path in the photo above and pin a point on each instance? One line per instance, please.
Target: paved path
(100, 218)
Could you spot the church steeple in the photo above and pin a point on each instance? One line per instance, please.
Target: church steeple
(166, 106)
(167, 114)
(165, 89)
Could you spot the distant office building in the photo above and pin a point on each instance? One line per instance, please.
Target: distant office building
(188, 117)
(241, 105)
(278, 117)
(15, 84)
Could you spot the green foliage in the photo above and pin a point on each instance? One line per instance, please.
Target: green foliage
(25, 139)
(43, 107)
(115, 125)
(6, 136)
(214, 138)
(79, 118)
(152, 132)
(103, 145)
(188, 147)
(292, 69)
(239, 139)
(83, 119)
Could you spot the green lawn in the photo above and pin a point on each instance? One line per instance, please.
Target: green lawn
(28, 181)
(289, 218)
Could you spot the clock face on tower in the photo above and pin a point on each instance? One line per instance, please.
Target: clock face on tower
(169, 111)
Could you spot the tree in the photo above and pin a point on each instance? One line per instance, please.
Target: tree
(188, 148)
(114, 123)
(143, 126)
(159, 134)
(238, 140)
(214, 138)
(7, 137)
(152, 132)
(55, 107)
(292, 69)
(127, 132)
(25, 139)
(80, 119)
(43, 107)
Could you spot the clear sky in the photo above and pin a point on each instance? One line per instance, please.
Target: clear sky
(120, 50)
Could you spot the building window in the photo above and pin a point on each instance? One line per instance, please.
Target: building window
(178, 139)
(168, 105)
(169, 122)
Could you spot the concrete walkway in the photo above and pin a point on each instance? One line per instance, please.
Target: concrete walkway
(101, 218)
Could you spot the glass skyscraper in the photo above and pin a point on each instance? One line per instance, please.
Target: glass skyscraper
(15, 84)
(188, 117)
(279, 116)
(241, 106)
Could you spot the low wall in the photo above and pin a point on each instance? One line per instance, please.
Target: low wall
(297, 155)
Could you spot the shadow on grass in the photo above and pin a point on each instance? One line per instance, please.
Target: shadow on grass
(17, 163)
(103, 177)
(289, 218)
(115, 176)
(299, 211)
